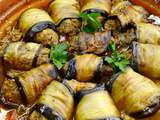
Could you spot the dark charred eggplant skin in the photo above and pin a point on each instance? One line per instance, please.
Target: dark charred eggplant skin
(134, 63)
(34, 62)
(110, 83)
(48, 112)
(147, 112)
(80, 94)
(39, 27)
(102, 12)
(71, 71)
(64, 82)
(97, 74)
(21, 90)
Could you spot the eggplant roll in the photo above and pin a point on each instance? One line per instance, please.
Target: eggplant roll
(56, 103)
(135, 94)
(96, 104)
(87, 67)
(65, 14)
(24, 56)
(90, 43)
(28, 86)
(91, 6)
(36, 25)
(145, 59)
(125, 16)
(147, 33)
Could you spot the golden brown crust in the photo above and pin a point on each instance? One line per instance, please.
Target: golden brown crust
(146, 59)
(62, 9)
(56, 98)
(131, 96)
(93, 106)
(20, 55)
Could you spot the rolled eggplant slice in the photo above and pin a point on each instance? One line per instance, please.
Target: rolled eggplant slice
(65, 14)
(135, 94)
(145, 59)
(92, 6)
(87, 67)
(96, 104)
(36, 25)
(90, 43)
(56, 103)
(124, 15)
(24, 56)
(28, 86)
(147, 33)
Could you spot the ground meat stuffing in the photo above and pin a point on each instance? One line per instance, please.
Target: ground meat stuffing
(69, 26)
(47, 37)
(10, 89)
(12, 36)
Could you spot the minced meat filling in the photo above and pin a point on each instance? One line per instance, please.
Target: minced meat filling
(47, 37)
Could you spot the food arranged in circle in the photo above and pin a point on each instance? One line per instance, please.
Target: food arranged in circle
(82, 60)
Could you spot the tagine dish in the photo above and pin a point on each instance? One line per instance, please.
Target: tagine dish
(82, 60)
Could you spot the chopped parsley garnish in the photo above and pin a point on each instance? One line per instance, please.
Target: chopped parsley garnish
(59, 54)
(90, 22)
(117, 60)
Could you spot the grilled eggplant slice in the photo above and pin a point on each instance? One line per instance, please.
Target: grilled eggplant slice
(145, 59)
(65, 14)
(92, 6)
(24, 56)
(96, 43)
(56, 103)
(124, 15)
(147, 33)
(96, 104)
(27, 87)
(135, 94)
(87, 67)
(36, 25)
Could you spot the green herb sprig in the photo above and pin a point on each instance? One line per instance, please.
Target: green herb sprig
(117, 60)
(90, 22)
(59, 54)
